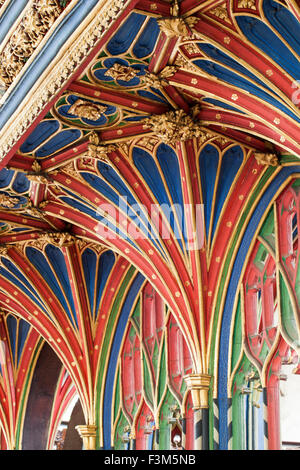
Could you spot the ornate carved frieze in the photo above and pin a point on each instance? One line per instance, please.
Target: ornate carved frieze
(59, 239)
(33, 27)
(175, 126)
(59, 74)
(270, 159)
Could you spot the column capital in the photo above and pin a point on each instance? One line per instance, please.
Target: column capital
(88, 433)
(198, 384)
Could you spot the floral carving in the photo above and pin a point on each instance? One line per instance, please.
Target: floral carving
(175, 126)
(221, 12)
(249, 4)
(160, 80)
(37, 176)
(8, 201)
(28, 35)
(96, 150)
(178, 27)
(61, 72)
(87, 110)
(59, 239)
(121, 72)
(270, 159)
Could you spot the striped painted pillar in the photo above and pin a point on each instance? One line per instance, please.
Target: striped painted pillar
(198, 429)
(199, 385)
(183, 437)
(205, 428)
(156, 439)
(229, 424)
(216, 424)
(132, 445)
(265, 405)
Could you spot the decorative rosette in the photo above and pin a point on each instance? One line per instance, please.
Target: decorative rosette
(87, 113)
(120, 72)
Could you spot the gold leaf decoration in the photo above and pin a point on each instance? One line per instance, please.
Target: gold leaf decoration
(270, 159)
(178, 27)
(175, 126)
(87, 110)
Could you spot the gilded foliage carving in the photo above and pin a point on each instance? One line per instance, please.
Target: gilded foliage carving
(175, 126)
(60, 73)
(25, 39)
(221, 12)
(160, 80)
(270, 159)
(87, 110)
(121, 72)
(249, 4)
(177, 26)
(96, 150)
(37, 176)
(59, 239)
(8, 201)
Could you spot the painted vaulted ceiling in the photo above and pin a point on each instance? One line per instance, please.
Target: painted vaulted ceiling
(107, 109)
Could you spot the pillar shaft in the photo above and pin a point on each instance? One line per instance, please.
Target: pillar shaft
(183, 433)
(265, 405)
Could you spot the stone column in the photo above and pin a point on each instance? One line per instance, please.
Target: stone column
(88, 434)
(199, 385)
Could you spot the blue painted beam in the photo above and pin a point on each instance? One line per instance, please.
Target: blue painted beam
(10, 15)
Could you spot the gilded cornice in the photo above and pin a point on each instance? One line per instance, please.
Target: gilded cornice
(33, 27)
(56, 75)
